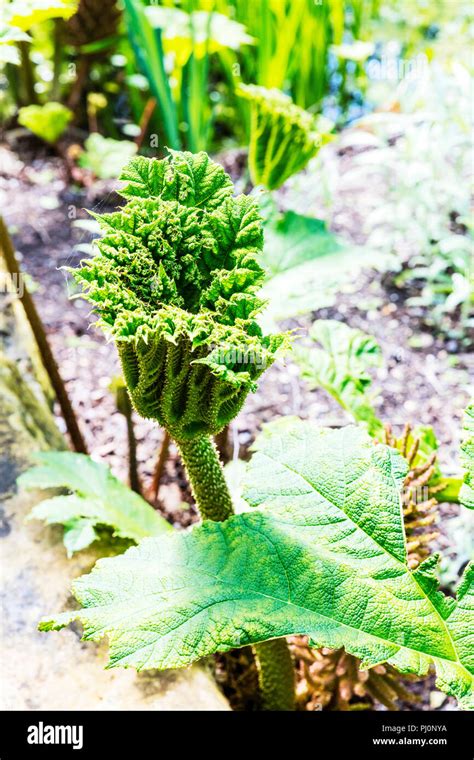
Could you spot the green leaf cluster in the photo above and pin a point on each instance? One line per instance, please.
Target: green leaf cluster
(283, 136)
(47, 122)
(340, 367)
(175, 284)
(95, 499)
(322, 553)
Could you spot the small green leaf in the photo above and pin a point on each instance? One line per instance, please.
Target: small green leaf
(9, 35)
(292, 239)
(47, 122)
(340, 367)
(97, 498)
(105, 156)
(305, 263)
(9, 54)
(323, 555)
(78, 535)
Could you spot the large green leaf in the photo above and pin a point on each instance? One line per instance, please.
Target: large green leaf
(291, 239)
(340, 367)
(466, 495)
(306, 263)
(323, 555)
(96, 498)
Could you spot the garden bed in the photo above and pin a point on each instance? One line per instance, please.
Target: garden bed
(422, 379)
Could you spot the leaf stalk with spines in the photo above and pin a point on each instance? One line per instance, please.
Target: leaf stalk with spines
(275, 665)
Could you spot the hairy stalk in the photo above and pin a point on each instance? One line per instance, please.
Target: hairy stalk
(205, 473)
(276, 674)
(207, 480)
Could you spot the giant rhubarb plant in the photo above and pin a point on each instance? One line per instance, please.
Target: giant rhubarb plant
(174, 283)
(283, 136)
(322, 552)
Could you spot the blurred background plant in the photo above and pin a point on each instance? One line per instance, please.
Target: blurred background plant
(117, 76)
(422, 158)
(188, 55)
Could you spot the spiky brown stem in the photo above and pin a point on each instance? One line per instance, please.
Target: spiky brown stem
(333, 680)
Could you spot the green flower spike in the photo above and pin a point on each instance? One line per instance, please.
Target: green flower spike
(174, 283)
(283, 136)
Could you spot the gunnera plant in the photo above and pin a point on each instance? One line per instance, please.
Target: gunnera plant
(283, 136)
(321, 551)
(175, 282)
